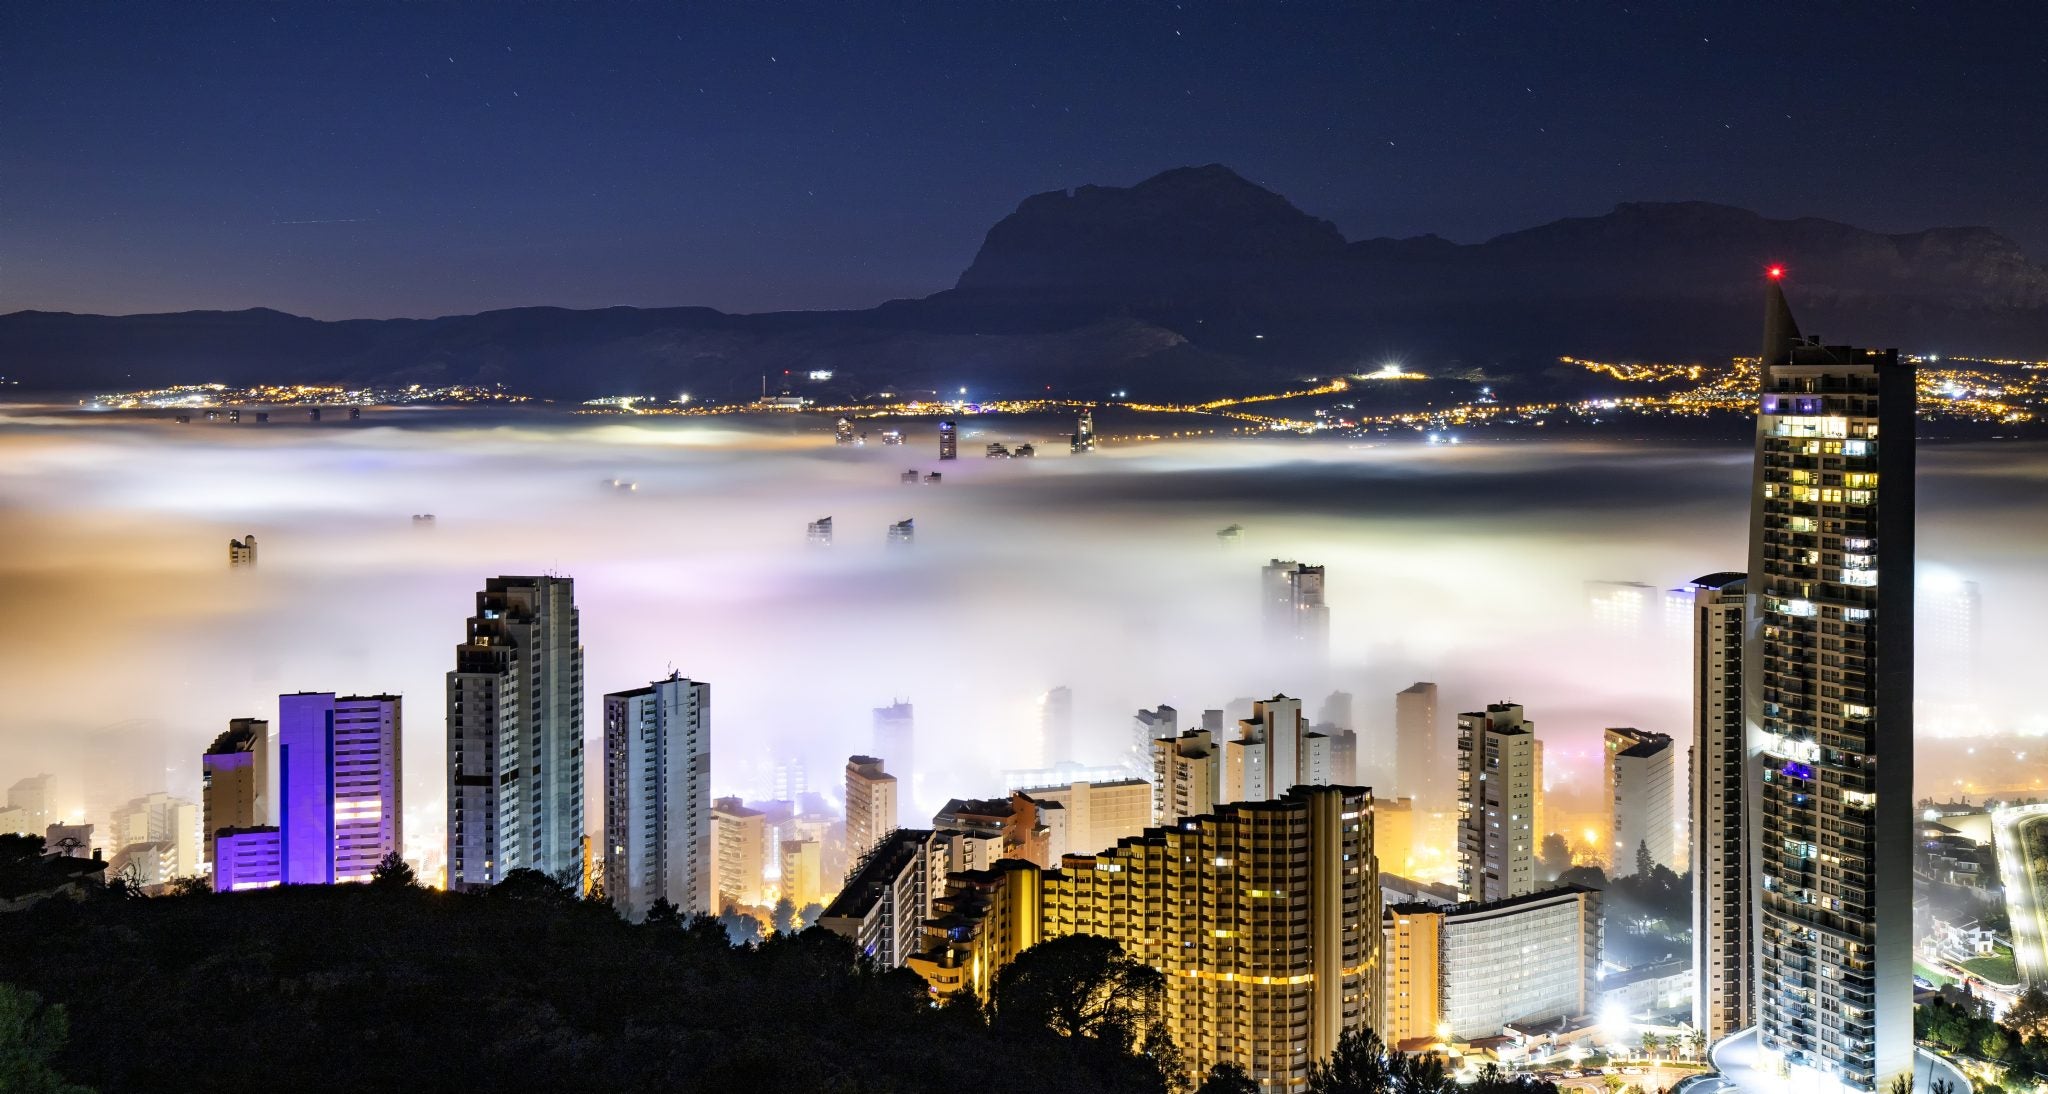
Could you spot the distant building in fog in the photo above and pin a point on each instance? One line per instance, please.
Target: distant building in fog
(242, 552)
(949, 440)
(1639, 778)
(1146, 727)
(895, 736)
(157, 838)
(738, 853)
(1083, 438)
(902, 532)
(1056, 726)
(1422, 768)
(1295, 613)
(1097, 814)
(819, 532)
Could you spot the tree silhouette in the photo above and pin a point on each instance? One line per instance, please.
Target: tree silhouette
(393, 872)
(662, 914)
(783, 916)
(1645, 865)
(1227, 1079)
(1079, 985)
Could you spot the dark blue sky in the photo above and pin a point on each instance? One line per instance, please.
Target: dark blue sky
(429, 158)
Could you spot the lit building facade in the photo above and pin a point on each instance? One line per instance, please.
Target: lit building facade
(739, 838)
(235, 780)
(339, 784)
(1499, 775)
(1148, 726)
(1273, 750)
(1828, 705)
(1468, 971)
(871, 806)
(657, 797)
(515, 735)
(886, 900)
(949, 440)
(1263, 916)
(1185, 771)
(1724, 932)
(1097, 814)
(156, 837)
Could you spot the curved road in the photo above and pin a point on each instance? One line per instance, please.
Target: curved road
(2023, 903)
(1736, 1072)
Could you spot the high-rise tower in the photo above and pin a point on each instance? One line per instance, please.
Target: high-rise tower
(1499, 778)
(1295, 613)
(1828, 704)
(657, 797)
(1723, 933)
(515, 735)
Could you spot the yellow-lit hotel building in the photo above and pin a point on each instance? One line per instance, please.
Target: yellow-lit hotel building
(1264, 916)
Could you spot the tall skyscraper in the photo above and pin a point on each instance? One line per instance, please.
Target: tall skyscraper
(1948, 638)
(949, 440)
(1273, 751)
(1723, 933)
(657, 797)
(339, 780)
(242, 553)
(871, 809)
(1497, 792)
(1083, 439)
(1828, 705)
(1421, 768)
(1640, 791)
(1056, 726)
(515, 735)
(1295, 615)
(235, 780)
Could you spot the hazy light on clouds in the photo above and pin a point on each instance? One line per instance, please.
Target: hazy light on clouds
(1103, 573)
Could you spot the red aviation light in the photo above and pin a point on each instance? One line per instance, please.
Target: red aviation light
(1775, 273)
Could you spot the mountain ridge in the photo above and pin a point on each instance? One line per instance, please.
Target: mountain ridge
(1193, 278)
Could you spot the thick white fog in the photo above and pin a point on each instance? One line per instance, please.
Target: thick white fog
(130, 644)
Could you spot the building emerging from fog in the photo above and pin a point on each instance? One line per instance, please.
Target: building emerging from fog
(819, 532)
(1639, 775)
(155, 839)
(1828, 705)
(1421, 768)
(1263, 916)
(739, 853)
(1295, 615)
(657, 798)
(242, 553)
(949, 440)
(903, 533)
(1499, 781)
(1083, 438)
(1056, 726)
(895, 736)
(1724, 932)
(515, 735)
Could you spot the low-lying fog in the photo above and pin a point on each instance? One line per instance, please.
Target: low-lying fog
(130, 643)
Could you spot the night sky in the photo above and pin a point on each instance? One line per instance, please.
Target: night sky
(425, 159)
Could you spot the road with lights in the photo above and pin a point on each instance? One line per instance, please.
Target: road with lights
(2022, 877)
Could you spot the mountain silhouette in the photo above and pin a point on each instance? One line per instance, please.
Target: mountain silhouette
(1191, 280)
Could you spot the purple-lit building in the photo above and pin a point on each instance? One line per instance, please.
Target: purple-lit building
(338, 778)
(246, 858)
